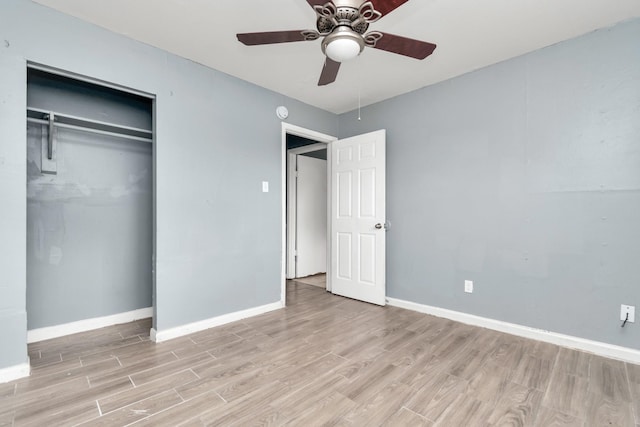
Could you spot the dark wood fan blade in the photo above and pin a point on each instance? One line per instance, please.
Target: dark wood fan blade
(313, 3)
(405, 46)
(252, 39)
(386, 6)
(329, 72)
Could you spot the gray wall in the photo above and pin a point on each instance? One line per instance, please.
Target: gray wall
(320, 154)
(525, 178)
(217, 235)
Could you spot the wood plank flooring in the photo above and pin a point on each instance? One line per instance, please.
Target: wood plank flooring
(323, 360)
(319, 279)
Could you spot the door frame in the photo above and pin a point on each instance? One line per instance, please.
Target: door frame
(321, 138)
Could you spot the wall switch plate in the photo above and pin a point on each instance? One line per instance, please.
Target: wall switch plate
(468, 286)
(265, 186)
(628, 309)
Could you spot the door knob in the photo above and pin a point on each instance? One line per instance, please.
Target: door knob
(378, 226)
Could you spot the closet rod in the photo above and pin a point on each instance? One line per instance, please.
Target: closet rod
(91, 130)
(68, 121)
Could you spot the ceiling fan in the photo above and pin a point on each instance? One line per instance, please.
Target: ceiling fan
(343, 24)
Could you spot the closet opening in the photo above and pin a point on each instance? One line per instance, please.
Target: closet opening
(90, 204)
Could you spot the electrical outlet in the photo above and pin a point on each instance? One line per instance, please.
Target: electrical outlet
(468, 286)
(630, 310)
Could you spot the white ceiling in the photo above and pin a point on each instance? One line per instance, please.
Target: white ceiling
(470, 34)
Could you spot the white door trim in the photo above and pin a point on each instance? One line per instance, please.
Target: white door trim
(292, 197)
(288, 128)
(308, 148)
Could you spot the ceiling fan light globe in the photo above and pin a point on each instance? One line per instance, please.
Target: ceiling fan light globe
(343, 49)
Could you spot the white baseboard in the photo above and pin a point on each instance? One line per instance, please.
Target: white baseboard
(602, 349)
(56, 331)
(14, 372)
(189, 328)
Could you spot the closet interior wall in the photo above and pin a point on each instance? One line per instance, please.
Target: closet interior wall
(89, 207)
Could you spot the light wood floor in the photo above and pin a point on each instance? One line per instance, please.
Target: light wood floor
(324, 360)
(315, 280)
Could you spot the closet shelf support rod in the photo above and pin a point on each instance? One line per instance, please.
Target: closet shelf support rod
(85, 129)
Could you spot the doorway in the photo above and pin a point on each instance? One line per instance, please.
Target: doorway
(306, 209)
(356, 242)
(90, 221)
(306, 149)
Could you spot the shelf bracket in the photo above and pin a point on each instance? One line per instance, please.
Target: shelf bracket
(52, 118)
(49, 158)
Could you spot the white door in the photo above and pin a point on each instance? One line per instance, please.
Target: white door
(311, 213)
(358, 217)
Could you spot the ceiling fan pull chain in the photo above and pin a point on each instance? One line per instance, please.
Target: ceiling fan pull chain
(359, 90)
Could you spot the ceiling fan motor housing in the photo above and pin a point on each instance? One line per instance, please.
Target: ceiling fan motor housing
(343, 24)
(344, 13)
